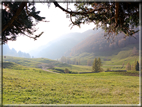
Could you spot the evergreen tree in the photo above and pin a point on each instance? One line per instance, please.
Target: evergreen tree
(97, 65)
(137, 66)
(99, 62)
(17, 18)
(94, 67)
(113, 17)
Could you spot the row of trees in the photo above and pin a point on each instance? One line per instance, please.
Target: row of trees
(134, 66)
(67, 60)
(76, 61)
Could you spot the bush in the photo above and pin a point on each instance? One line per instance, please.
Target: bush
(108, 69)
(66, 70)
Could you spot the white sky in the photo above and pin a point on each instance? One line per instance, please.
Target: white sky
(57, 26)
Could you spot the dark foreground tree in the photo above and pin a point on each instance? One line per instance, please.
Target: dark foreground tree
(18, 18)
(113, 17)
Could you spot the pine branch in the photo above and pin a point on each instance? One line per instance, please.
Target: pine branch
(73, 12)
(23, 4)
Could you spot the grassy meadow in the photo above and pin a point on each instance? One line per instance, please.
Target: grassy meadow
(32, 85)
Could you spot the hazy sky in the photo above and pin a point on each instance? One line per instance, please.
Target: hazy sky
(57, 26)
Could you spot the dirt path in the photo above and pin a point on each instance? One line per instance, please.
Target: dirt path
(50, 71)
(44, 67)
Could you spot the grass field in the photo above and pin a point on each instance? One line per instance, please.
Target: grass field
(75, 68)
(34, 86)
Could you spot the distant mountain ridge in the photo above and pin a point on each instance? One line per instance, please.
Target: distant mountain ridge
(57, 48)
(12, 52)
(90, 41)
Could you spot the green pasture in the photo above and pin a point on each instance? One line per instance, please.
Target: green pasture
(74, 68)
(25, 83)
(35, 86)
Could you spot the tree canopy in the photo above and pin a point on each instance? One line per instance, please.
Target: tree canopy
(18, 18)
(113, 17)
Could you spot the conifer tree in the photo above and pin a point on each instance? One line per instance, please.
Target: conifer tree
(137, 66)
(94, 67)
(113, 17)
(17, 18)
(97, 65)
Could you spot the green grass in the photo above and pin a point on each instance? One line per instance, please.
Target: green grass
(25, 84)
(81, 68)
(34, 62)
(12, 65)
(34, 86)
(22, 61)
(75, 68)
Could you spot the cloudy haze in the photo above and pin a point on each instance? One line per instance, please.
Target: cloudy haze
(57, 26)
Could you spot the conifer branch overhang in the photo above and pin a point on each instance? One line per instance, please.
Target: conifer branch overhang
(23, 4)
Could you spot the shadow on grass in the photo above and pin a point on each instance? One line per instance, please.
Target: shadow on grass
(128, 73)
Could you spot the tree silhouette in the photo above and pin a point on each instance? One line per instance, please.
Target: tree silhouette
(96, 67)
(17, 18)
(113, 17)
(137, 66)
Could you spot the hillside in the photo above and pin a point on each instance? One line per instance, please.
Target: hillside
(57, 48)
(32, 62)
(97, 43)
(12, 65)
(118, 52)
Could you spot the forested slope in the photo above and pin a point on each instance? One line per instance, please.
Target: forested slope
(98, 43)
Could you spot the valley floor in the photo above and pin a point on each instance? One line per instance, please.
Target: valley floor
(25, 82)
(35, 86)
